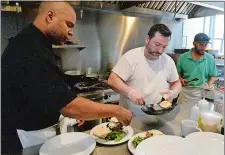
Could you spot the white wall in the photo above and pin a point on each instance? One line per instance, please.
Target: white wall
(190, 28)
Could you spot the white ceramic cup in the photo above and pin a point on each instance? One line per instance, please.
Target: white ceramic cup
(189, 126)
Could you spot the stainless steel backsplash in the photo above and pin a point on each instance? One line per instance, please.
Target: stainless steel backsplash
(106, 36)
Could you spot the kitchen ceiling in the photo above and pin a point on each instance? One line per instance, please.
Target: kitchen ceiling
(182, 9)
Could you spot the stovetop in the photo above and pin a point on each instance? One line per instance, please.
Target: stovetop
(82, 87)
(97, 91)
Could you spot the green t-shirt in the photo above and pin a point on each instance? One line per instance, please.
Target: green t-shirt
(203, 69)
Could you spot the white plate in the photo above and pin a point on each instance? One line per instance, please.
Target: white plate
(163, 145)
(130, 146)
(73, 143)
(207, 143)
(127, 129)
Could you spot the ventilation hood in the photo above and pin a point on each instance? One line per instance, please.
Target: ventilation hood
(166, 9)
(177, 9)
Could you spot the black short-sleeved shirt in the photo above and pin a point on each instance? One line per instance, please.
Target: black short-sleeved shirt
(33, 89)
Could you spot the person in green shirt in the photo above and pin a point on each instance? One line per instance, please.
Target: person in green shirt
(197, 70)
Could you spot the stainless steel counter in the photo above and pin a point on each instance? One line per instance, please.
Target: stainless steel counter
(139, 124)
(168, 124)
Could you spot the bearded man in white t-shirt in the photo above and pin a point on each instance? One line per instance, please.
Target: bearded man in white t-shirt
(144, 74)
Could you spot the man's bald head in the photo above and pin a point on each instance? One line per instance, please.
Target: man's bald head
(56, 20)
(56, 6)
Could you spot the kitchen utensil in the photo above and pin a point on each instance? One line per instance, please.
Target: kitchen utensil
(210, 121)
(74, 72)
(189, 126)
(73, 76)
(72, 42)
(91, 70)
(155, 109)
(92, 75)
(151, 111)
(90, 86)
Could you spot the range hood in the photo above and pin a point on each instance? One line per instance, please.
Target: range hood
(177, 9)
(165, 9)
(191, 9)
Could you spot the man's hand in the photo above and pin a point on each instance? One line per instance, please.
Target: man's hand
(124, 116)
(183, 81)
(169, 95)
(207, 87)
(136, 97)
(80, 122)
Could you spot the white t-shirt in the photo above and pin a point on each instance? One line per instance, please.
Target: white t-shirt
(149, 77)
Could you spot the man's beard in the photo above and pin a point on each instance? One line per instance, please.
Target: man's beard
(199, 52)
(155, 55)
(56, 38)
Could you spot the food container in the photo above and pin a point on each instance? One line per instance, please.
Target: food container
(210, 121)
(203, 105)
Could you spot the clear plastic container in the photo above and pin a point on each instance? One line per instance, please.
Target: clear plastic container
(195, 112)
(210, 121)
(203, 105)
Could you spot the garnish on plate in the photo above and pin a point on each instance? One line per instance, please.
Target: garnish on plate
(112, 131)
(137, 140)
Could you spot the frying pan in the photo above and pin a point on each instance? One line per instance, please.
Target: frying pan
(150, 110)
(73, 76)
(92, 76)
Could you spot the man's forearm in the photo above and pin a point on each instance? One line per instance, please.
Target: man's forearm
(176, 86)
(118, 85)
(211, 80)
(84, 109)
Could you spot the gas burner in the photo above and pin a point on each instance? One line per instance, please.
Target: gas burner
(90, 86)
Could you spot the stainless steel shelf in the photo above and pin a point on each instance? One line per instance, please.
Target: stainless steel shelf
(80, 47)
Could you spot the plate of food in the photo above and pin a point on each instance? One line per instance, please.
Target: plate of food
(164, 145)
(112, 132)
(138, 138)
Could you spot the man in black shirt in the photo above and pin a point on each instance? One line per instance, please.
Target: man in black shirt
(33, 90)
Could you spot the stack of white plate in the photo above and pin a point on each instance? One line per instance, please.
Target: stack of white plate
(163, 145)
(198, 143)
(206, 143)
(76, 143)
